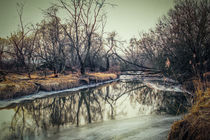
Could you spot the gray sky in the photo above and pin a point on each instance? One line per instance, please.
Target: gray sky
(128, 18)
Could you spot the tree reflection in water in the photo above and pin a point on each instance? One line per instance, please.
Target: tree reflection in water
(112, 101)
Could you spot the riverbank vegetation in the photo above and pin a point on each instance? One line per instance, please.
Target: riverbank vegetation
(78, 45)
(195, 125)
(16, 85)
(179, 45)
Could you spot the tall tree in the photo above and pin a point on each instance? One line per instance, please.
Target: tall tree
(3, 47)
(23, 43)
(51, 45)
(85, 16)
(188, 36)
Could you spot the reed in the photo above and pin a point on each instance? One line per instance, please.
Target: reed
(196, 124)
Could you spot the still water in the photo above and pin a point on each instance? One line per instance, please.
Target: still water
(118, 110)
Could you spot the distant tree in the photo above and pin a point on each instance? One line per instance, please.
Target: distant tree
(23, 44)
(180, 39)
(17, 39)
(84, 20)
(30, 42)
(137, 55)
(95, 58)
(3, 47)
(57, 38)
(111, 46)
(51, 46)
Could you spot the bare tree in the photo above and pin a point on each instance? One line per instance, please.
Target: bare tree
(51, 46)
(23, 43)
(180, 39)
(111, 44)
(3, 44)
(83, 23)
(185, 33)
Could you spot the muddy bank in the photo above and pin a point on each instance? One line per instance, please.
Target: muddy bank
(16, 85)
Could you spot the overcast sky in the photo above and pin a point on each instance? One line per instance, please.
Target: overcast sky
(128, 18)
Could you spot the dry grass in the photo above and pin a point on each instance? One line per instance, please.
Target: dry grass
(101, 76)
(19, 84)
(196, 124)
(62, 82)
(11, 89)
(194, 83)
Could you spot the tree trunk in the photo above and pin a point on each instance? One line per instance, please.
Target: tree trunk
(29, 74)
(1, 60)
(88, 109)
(55, 72)
(107, 64)
(82, 69)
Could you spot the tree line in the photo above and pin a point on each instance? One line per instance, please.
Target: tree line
(79, 43)
(179, 45)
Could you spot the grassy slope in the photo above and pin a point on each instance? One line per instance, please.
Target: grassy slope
(196, 124)
(18, 84)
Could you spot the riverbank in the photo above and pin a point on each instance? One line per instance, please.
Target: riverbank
(196, 124)
(16, 85)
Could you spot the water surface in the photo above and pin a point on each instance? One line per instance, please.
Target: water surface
(120, 110)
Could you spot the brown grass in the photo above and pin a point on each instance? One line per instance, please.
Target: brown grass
(98, 77)
(196, 124)
(11, 89)
(62, 82)
(17, 85)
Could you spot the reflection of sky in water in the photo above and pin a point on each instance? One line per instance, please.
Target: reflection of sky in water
(116, 101)
(6, 115)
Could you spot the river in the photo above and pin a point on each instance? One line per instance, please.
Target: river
(124, 109)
